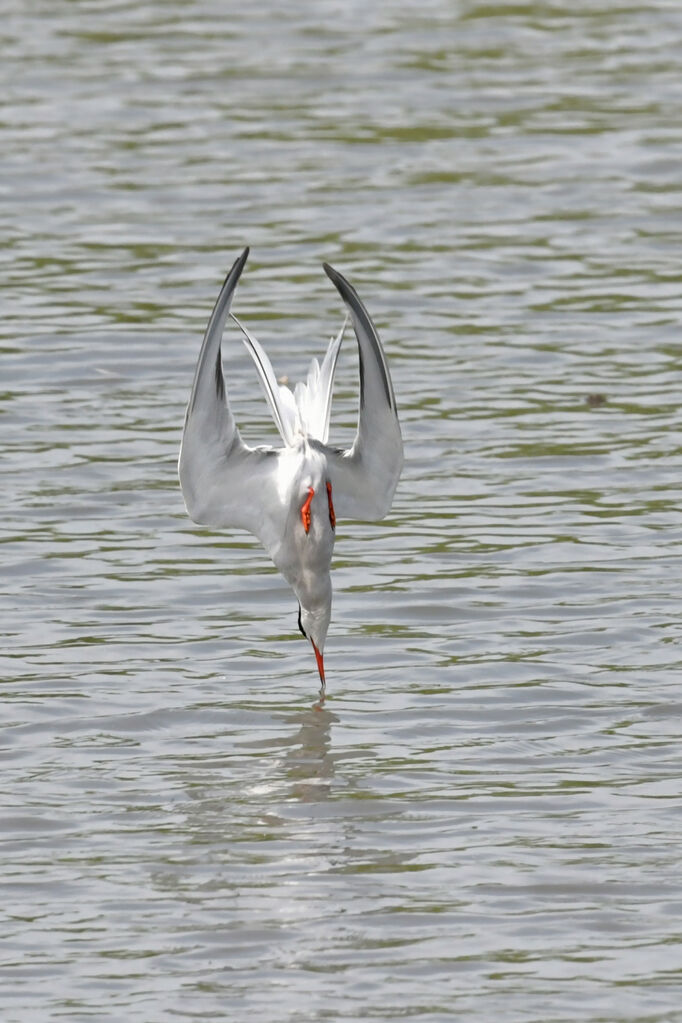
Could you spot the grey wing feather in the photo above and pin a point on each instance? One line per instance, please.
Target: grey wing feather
(364, 478)
(224, 481)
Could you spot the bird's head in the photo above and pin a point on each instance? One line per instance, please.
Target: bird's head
(314, 625)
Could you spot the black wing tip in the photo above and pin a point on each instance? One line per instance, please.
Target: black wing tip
(344, 287)
(240, 261)
(337, 279)
(360, 316)
(235, 271)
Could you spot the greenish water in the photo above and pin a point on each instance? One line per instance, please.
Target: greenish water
(484, 821)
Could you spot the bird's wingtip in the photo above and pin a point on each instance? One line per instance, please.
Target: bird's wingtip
(344, 287)
(235, 271)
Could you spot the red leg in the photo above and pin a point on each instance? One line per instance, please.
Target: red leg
(305, 509)
(332, 516)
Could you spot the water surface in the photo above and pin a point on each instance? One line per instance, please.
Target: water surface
(484, 820)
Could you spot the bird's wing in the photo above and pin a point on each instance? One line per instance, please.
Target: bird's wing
(224, 482)
(364, 477)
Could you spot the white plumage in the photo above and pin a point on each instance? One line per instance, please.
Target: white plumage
(290, 497)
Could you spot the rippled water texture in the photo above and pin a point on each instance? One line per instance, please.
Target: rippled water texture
(484, 820)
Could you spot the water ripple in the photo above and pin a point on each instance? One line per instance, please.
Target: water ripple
(483, 820)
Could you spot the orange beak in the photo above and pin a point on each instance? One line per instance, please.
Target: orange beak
(320, 663)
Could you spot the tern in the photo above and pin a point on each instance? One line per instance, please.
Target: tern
(290, 497)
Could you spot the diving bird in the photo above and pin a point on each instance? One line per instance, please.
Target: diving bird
(290, 497)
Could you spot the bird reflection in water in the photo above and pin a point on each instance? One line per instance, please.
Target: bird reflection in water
(309, 764)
